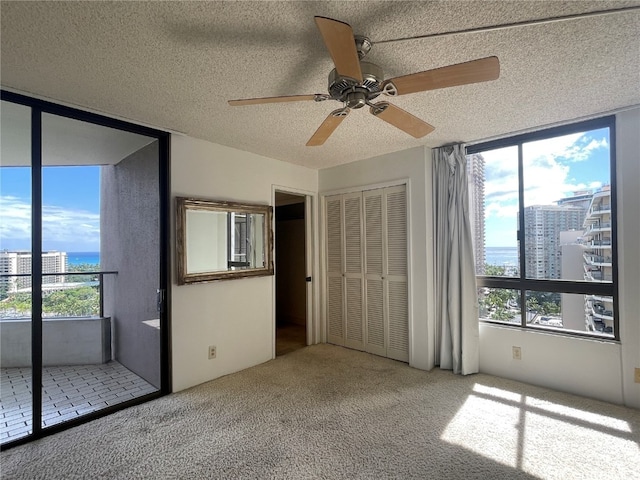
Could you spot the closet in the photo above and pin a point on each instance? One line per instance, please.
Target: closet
(367, 299)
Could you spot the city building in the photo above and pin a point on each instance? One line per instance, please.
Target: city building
(580, 199)
(572, 304)
(19, 263)
(542, 227)
(596, 242)
(475, 179)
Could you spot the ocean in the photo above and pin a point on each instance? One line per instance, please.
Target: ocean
(493, 256)
(78, 258)
(501, 256)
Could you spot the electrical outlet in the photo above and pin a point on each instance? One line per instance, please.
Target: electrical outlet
(212, 351)
(517, 353)
(637, 376)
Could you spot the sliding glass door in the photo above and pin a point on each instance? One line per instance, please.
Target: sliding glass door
(89, 293)
(16, 326)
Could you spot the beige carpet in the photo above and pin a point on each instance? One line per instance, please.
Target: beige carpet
(328, 412)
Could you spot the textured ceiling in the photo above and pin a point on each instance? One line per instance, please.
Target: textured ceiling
(174, 65)
(64, 141)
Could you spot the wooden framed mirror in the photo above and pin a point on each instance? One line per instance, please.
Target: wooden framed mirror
(222, 240)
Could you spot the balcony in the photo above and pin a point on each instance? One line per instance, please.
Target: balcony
(597, 260)
(597, 276)
(599, 227)
(598, 325)
(599, 311)
(80, 373)
(601, 299)
(599, 210)
(599, 244)
(68, 392)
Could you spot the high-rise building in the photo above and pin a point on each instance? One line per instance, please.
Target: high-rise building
(19, 263)
(475, 180)
(596, 241)
(580, 199)
(542, 227)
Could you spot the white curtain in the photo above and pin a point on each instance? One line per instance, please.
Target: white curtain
(457, 335)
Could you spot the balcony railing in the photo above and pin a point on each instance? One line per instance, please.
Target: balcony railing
(599, 243)
(54, 304)
(598, 310)
(601, 208)
(597, 260)
(597, 276)
(599, 227)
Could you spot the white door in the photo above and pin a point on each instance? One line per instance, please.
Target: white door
(354, 281)
(374, 261)
(395, 273)
(367, 296)
(335, 317)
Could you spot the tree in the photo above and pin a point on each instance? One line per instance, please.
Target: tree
(494, 270)
(78, 302)
(495, 304)
(82, 267)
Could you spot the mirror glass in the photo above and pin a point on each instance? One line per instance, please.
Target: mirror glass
(222, 240)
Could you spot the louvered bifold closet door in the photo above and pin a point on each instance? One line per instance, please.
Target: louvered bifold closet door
(375, 326)
(335, 316)
(353, 274)
(395, 273)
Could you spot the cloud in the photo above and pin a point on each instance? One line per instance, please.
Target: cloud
(576, 147)
(16, 218)
(60, 226)
(547, 168)
(497, 209)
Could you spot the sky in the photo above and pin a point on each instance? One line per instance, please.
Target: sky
(553, 169)
(70, 208)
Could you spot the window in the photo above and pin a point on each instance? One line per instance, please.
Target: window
(542, 209)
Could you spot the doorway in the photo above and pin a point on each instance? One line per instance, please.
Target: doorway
(291, 279)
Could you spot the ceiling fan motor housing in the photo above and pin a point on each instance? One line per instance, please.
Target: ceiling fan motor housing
(353, 93)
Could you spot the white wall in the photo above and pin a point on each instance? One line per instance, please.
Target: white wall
(628, 195)
(598, 369)
(414, 165)
(217, 313)
(234, 315)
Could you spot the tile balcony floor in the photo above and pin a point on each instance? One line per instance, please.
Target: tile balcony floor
(67, 392)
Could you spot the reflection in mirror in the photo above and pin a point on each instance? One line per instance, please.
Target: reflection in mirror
(222, 240)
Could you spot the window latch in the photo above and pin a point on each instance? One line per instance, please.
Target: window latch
(159, 299)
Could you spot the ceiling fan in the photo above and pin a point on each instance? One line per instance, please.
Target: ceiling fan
(356, 83)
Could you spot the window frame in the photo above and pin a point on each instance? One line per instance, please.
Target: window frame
(523, 284)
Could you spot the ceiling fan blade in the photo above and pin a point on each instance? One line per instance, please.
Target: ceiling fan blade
(475, 71)
(339, 39)
(257, 101)
(327, 127)
(401, 119)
